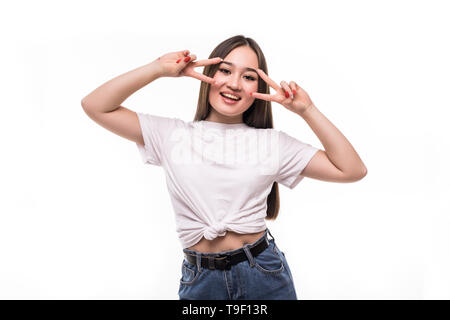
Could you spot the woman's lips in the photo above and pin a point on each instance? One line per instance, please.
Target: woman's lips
(229, 101)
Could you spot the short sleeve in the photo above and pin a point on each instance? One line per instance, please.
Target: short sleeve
(155, 130)
(294, 156)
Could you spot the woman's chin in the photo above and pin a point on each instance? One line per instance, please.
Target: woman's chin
(229, 113)
(230, 110)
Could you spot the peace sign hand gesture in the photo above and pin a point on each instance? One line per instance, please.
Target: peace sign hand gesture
(291, 96)
(181, 64)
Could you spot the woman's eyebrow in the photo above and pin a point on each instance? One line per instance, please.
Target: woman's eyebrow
(248, 69)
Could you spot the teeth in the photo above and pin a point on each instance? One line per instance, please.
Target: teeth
(230, 96)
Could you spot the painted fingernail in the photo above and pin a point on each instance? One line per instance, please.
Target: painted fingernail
(187, 59)
(295, 92)
(286, 94)
(251, 93)
(178, 60)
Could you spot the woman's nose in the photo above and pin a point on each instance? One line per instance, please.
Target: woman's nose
(234, 84)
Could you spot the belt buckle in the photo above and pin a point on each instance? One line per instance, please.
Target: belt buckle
(225, 261)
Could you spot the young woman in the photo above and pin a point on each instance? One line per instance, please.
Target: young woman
(223, 168)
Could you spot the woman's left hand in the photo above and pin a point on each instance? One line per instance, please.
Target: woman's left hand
(291, 96)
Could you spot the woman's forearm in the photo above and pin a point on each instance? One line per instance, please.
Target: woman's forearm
(338, 149)
(110, 95)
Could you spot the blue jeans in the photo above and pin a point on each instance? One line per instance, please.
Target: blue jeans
(264, 277)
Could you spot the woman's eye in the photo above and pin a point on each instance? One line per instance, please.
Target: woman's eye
(225, 71)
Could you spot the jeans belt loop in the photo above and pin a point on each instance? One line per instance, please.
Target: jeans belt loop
(249, 255)
(211, 263)
(198, 259)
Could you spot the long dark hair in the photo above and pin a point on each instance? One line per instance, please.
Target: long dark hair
(258, 115)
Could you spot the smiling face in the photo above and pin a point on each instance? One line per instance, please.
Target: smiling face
(234, 76)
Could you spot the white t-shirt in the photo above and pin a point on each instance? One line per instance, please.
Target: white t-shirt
(219, 175)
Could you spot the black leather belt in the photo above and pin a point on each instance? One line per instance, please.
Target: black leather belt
(225, 261)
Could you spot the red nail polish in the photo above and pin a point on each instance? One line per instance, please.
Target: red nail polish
(295, 92)
(187, 59)
(286, 94)
(251, 94)
(178, 60)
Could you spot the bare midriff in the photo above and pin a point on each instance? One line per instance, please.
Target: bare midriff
(230, 241)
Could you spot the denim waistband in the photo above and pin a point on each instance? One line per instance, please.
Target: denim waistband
(262, 238)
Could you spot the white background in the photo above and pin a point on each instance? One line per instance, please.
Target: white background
(81, 217)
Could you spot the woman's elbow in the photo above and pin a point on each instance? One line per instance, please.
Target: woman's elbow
(361, 174)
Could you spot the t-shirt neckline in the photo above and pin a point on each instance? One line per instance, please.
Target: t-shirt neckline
(213, 124)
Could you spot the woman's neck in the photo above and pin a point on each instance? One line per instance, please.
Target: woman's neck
(214, 116)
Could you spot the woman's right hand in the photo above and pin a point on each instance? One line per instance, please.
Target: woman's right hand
(171, 68)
